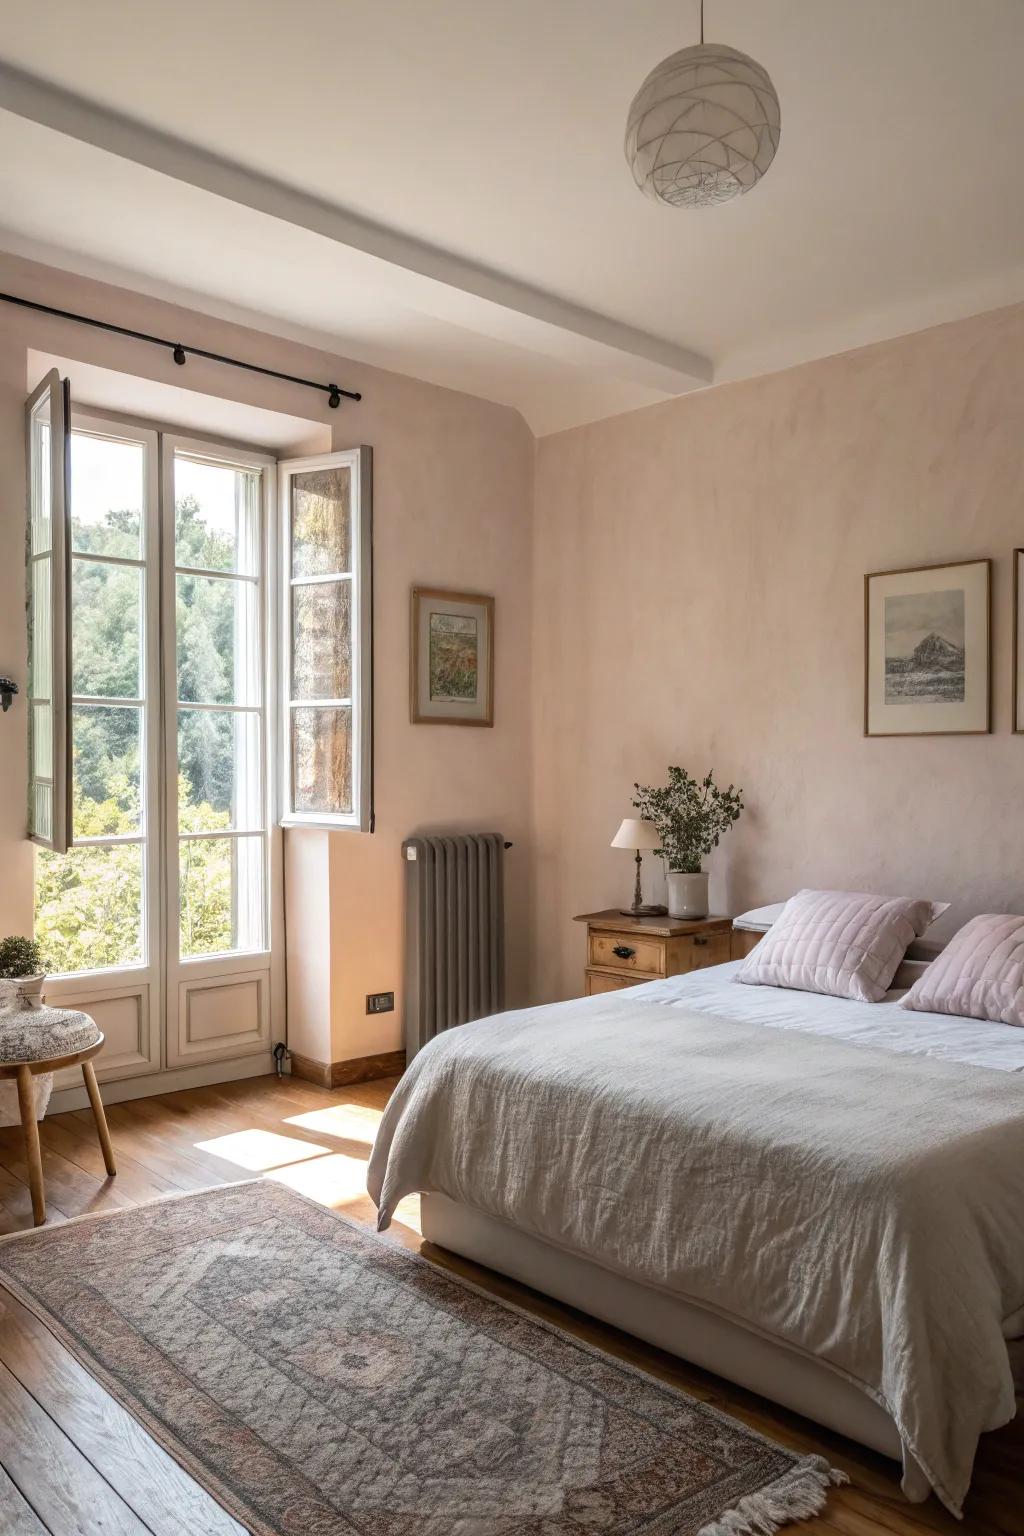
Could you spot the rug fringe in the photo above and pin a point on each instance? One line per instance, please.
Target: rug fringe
(798, 1494)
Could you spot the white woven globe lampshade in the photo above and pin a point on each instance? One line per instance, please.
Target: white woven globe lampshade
(703, 127)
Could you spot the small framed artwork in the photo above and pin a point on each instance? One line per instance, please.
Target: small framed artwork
(927, 650)
(452, 674)
(1018, 641)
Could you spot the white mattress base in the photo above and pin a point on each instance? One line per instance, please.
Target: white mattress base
(704, 1338)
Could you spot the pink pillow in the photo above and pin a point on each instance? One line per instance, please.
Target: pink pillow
(979, 975)
(841, 943)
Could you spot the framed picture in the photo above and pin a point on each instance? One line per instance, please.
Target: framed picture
(452, 674)
(1018, 640)
(927, 650)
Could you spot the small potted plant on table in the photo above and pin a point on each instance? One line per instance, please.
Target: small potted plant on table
(21, 974)
(690, 817)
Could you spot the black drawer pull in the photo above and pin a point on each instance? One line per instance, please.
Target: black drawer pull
(700, 939)
(623, 951)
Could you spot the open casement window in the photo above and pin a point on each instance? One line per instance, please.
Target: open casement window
(327, 630)
(48, 464)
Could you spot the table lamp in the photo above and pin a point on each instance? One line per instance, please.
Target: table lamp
(638, 835)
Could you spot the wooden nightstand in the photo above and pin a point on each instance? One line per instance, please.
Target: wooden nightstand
(743, 941)
(623, 951)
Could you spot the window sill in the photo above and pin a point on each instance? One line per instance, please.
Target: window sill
(322, 824)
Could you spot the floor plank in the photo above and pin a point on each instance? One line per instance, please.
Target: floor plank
(148, 1480)
(52, 1475)
(16, 1517)
(74, 1142)
(318, 1140)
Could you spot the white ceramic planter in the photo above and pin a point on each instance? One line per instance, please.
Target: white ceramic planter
(32, 991)
(687, 895)
(21, 993)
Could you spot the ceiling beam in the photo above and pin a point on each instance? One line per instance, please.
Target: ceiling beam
(430, 279)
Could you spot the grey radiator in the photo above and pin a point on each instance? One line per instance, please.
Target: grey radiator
(455, 933)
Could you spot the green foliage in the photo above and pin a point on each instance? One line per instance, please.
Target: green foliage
(19, 957)
(89, 900)
(690, 816)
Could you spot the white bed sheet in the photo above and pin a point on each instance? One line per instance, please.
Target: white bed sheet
(883, 1025)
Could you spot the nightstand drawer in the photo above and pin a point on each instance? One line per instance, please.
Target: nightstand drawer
(693, 954)
(627, 952)
(601, 981)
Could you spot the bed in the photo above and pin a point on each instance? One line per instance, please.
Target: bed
(819, 1199)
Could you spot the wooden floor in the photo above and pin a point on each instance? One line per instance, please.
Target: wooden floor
(72, 1461)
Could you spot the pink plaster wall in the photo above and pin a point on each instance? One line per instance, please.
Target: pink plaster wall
(698, 592)
(452, 504)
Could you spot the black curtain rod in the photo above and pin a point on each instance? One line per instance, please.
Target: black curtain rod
(180, 353)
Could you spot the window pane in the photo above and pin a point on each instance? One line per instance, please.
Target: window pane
(40, 640)
(322, 760)
(322, 521)
(107, 490)
(89, 907)
(42, 810)
(216, 516)
(221, 884)
(106, 746)
(322, 640)
(219, 780)
(106, 630)
(40, 489)
(218, 652)
(42, 741)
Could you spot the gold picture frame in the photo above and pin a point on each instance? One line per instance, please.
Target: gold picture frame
(451, 673)
(928, 650)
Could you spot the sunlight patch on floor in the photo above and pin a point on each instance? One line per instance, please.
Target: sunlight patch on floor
(407, 1214)
(353, 1122)
(259, 1150)
(330, 1180)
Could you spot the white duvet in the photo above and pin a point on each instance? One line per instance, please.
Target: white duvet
(841, 1180)
(883, 1025)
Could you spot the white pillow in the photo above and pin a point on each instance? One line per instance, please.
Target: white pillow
(759, 919)
(840, 943)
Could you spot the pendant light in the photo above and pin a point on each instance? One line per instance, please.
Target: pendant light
(703, 127)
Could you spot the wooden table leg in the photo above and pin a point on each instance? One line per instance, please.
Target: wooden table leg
(33, 1156)
(93, 1090)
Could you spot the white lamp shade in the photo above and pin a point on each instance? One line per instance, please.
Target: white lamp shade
(636, 834)
(703, 127)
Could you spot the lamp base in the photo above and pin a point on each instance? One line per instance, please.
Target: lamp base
(643, 911)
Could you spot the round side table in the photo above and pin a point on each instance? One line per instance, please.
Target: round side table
(45, 1040)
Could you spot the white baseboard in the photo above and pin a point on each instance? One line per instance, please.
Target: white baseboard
(164, 1082)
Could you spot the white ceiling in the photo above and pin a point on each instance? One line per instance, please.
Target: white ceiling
(442, 189)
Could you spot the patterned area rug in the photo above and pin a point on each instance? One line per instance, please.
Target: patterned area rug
(319, 1381)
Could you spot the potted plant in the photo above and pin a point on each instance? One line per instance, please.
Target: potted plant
(21, 974)
(690, 817)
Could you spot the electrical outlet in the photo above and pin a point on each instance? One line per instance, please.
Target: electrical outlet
(380, 1002)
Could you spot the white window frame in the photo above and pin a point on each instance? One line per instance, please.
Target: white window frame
(87, 422)
(56, 392)
(212, 452)
(361, 817)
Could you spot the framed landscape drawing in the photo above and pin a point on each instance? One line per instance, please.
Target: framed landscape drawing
(452, 675)
(927, 650)
(1018, 640)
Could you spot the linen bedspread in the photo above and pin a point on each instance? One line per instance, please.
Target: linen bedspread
(863, 1206)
